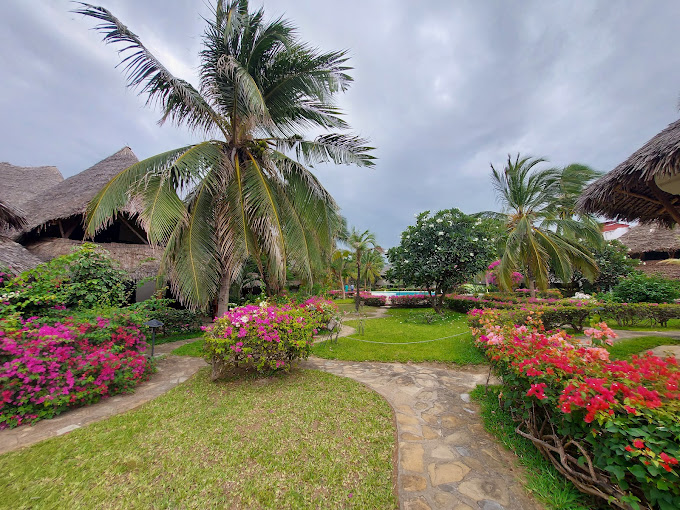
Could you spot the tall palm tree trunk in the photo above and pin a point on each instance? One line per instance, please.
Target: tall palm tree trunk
(342, 286)
(356, 289)
(223, 296)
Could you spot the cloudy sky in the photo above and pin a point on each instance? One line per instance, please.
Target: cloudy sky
(442, 88)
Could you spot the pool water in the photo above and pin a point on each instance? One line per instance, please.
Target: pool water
(400, 293)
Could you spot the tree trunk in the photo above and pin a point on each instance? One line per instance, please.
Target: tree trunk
(342, 287)
(532, 287)
(356, 289)
(223, 296)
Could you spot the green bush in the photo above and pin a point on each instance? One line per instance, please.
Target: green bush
(175, 320)
(642, 288)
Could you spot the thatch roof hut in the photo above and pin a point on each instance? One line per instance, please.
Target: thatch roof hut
(648, 239)
(633, 191)
(68, 199)
(10, 218)
(21, 184)
(15, 257)
(138, 260)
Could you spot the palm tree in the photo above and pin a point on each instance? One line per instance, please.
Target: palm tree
(538, 237)
(340, 267)
(372, 263)
(360, 242)
(246, 190)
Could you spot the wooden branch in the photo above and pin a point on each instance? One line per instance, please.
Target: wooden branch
(61, 229)
(665, 201)
(134, 231)
(637, 195)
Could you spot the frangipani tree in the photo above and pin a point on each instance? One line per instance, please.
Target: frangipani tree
(246, 190)
(441, 251)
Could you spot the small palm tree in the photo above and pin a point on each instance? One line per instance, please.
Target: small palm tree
(360, 242)
(538, 237)
(372, 264)
(245, 191)
(340, 263)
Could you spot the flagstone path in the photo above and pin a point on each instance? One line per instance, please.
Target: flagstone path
(446, 460)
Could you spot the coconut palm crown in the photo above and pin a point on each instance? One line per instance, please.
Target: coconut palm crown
(246, 190)
(540, 234)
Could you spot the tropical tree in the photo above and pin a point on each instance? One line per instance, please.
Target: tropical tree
(340, 265)
(246, 190)
(538, 236)
(360, 242)
(372, 265)
(441, 251)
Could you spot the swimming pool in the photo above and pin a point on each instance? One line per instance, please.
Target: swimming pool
(390, 293)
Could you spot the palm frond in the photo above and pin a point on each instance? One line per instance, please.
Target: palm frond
(338, 148)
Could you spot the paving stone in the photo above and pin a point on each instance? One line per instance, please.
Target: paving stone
(426, 396)
(465, 397)
(450, 421)
(429, 432)
(403, 408)
(417, 504)
(412, 457)
(431, 419)
(462, 507)
(407, 436)
(491, 505)
(458, 438)
(445, 499)
(413, 483)
(486, 489)
(421, 406)
(442, 452)
(404, 419)
(447, 473)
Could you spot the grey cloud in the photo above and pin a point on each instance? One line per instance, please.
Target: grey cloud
(441, 88)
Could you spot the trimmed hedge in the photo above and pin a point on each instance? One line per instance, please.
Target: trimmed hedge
(412, 301)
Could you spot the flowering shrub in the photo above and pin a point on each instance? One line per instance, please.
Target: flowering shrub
(492, 278)
(45, 368)
(412, 301)
(264, 338)
(373, 300)
(612, 426)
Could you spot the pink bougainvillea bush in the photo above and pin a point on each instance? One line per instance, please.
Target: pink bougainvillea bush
(265, 338)
(411, 301)
(46, 368)
(611, 426)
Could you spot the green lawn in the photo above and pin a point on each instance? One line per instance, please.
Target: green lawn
(402, 326)
(175, 337)
(624, 349)
(194, 349)
(542, 479)
(304, 440)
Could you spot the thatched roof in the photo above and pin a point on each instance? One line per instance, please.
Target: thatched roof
(10, 218)
(138, 260)
(70, 197)
(15, 257)
(21, 184)
(626, 193)
(656, 267)
(648, 238)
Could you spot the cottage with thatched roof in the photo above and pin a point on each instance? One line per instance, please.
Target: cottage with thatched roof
(55, 217)
(20, 184)
(13, 256)
(653, 243)
(645, 187)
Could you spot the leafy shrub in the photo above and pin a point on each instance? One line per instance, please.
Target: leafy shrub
(582, 410)
(85, 278)
(46, 368)
(470, 288)
(261, 338)
(642, 288)
(412, 301)
(175, 320)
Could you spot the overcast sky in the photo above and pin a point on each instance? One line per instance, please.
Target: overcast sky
(442, 89)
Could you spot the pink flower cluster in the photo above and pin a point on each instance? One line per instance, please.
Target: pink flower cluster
(603, 335)
(47, 368)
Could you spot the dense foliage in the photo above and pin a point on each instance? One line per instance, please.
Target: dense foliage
(265, 338)
(441, 251)
(48, 367)
(614, 264)
(612, 427)
(83, 279)
(642, 288)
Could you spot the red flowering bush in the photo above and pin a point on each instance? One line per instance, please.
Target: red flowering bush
(373, 299)
(48, 368)
(612, 427)
(265, 338)
(411, 301)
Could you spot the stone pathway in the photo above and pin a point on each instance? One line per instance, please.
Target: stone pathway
(445, 458)
(171, 372)
(624, 334)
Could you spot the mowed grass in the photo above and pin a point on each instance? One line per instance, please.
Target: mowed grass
(303, 440)
(542, 479)
(624, 349)
(193, 349)
(175, 337)
(400, 327)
